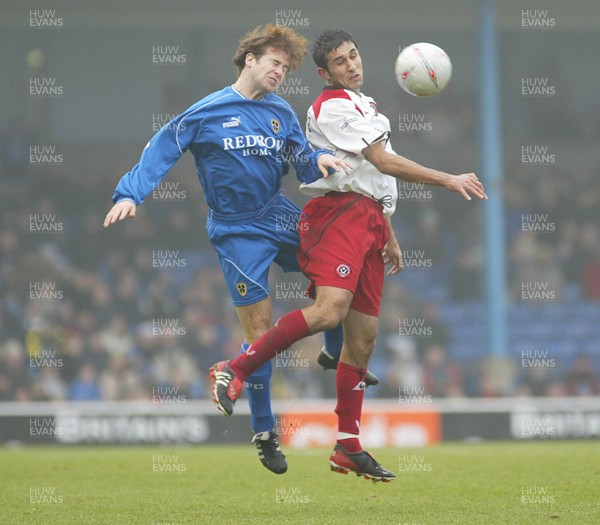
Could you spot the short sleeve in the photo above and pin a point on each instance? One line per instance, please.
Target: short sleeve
(345, 126)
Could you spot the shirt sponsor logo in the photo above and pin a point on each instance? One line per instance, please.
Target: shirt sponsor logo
(253, 144)
(347, 122)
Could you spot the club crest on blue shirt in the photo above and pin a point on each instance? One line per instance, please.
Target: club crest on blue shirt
(241, 288)
(276, 125)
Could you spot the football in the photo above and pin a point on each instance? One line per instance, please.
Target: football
(423, 69)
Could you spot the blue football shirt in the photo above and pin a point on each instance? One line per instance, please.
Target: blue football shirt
(242, 148)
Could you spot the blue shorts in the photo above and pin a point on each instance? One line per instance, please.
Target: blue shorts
(247, 247)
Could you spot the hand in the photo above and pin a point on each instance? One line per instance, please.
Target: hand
(326, 161)
(465, 184)
(392, 254)
(120, 211)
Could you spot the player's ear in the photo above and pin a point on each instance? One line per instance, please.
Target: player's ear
(249, 59)
(323, 73)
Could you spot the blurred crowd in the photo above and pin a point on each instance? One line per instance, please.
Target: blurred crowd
(140, 308)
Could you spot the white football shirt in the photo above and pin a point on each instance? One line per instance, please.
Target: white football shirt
(346, 123)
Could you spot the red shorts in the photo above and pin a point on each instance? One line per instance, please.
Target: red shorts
(341, 239)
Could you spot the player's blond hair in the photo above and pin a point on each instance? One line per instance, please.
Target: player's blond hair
(268, 36)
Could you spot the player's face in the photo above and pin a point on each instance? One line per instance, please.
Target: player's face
(269, 70)
(344, 68)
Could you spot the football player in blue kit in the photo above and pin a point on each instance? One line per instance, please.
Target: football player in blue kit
(243, 139)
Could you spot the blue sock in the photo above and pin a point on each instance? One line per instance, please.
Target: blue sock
(334, 339)
(258, 387)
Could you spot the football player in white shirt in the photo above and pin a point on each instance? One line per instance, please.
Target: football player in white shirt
(345, 241)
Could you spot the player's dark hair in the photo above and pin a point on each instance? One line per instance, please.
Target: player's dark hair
(262, 38)
(327, 42)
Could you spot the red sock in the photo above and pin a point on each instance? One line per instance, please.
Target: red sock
(290, 328)
(350, 388)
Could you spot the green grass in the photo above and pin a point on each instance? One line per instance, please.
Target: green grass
(460, 484)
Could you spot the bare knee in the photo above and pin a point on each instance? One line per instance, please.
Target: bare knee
(327, 312)
(254, 331)
(255, 319)
(325, 319)
(360, 334)
(361, 349)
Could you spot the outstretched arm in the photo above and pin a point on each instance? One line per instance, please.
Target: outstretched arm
(408, 170)
(160, 154)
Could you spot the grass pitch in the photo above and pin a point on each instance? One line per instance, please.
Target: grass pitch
(464, 484)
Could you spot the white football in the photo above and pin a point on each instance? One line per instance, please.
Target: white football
(423, 69)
